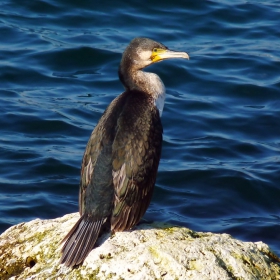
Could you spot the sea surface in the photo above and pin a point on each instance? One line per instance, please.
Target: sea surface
(220, 164)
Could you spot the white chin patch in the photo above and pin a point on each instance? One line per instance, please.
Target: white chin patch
(144, 55)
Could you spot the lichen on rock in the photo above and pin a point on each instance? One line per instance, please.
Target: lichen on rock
(150, 251)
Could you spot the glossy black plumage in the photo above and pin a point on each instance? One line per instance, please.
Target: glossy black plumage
(118, 171)
(121, 159)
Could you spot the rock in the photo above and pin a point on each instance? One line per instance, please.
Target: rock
(150, 251)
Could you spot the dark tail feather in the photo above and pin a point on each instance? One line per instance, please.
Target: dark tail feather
(80, 240)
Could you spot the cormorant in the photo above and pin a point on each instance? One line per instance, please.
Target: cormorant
(121, 158)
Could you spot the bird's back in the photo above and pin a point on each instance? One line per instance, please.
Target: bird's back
(118, 172)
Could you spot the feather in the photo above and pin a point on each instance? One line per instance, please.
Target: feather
(80, 240)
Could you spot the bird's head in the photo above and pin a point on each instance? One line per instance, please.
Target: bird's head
(142, 52)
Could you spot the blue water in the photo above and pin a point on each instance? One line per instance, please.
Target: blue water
(220, 165)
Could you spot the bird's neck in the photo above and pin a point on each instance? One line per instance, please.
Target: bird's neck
(146, 82)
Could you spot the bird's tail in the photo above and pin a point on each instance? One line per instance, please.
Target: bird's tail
(80, 240)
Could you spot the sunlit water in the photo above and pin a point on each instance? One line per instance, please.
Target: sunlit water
(220, 166)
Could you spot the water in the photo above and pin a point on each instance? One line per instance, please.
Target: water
(220, 166)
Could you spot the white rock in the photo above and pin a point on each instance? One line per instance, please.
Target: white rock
(150, 251)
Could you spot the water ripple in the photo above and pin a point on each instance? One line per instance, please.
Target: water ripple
(220, 161)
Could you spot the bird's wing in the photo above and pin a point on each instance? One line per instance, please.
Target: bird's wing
(96, 192)
(135, 157)
(96, 186)
(95, 165)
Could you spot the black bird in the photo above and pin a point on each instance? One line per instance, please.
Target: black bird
(121, 158)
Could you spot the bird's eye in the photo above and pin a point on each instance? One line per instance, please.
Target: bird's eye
(155, 49)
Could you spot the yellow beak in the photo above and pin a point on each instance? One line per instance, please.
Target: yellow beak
(161, 54)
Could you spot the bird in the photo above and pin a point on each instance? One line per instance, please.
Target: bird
(121, 159)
